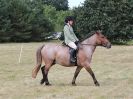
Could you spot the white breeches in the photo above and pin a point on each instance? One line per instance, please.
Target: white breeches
(72, 45)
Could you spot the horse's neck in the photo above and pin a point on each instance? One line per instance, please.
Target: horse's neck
(91, 44)
(91, 40)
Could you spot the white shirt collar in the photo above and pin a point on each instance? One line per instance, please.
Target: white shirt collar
(68, 24)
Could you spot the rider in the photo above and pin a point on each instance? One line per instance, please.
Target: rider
(70, 37)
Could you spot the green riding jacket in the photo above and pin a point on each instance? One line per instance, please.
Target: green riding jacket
(69, 35)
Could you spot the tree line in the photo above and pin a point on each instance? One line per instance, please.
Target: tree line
(33, 20)
(113, 17)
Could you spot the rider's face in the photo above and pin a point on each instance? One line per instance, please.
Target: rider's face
(70, 23)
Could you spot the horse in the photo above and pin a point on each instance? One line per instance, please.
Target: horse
(53, 54)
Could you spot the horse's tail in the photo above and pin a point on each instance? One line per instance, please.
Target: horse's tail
(38, 62)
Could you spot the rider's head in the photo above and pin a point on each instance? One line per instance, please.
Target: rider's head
(69, 20)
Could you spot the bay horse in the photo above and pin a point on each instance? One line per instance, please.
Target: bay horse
(57, 54)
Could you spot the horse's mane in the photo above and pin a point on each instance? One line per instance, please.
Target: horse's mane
(88, 35)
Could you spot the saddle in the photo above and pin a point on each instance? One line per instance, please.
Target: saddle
(73, 53)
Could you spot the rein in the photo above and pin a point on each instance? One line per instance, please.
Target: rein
(90, 44)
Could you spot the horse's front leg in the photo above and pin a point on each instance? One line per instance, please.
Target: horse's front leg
(78, 69)
(92, 75)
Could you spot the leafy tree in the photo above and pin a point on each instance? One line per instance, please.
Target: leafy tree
(18, 11)
(23, 20)
(5, 23)
(114, 17)
(58, 4)
(41, 23)
(31, 20)
(56, 17)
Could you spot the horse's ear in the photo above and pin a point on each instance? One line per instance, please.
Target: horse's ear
(98, 32)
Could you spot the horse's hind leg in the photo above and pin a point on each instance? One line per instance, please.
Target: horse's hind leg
(78, 69)
(43, 74)
(46, 70)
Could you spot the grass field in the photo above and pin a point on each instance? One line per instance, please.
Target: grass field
(113, 69)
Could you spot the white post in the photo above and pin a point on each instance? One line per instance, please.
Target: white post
(20, 53)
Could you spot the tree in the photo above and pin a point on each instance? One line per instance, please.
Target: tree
(18, 11)
(56, 17)
(23, 20)
(58, 4)
(114, 17)
(41, 24)
(5, 23)
(31, 20)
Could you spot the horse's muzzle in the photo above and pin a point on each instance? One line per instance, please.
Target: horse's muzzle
(107, 45)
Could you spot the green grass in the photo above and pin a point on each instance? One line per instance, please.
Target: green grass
(113, 69)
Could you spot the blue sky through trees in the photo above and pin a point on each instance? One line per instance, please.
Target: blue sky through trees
(75, 3)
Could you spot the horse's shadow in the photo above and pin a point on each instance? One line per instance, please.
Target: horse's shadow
(70, 85)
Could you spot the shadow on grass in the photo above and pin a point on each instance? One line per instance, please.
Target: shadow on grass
(70, 85)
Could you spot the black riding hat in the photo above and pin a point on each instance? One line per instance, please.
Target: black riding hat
(69, 18)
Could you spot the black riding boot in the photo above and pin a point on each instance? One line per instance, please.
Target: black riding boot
(72, 55)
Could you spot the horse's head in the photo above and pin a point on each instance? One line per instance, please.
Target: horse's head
(102, 40)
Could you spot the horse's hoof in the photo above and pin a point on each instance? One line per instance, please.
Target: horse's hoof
(97, 84)
(74, 84)
(42, 81)
(47, 84)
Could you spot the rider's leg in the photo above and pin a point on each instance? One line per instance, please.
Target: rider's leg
(73, 49)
